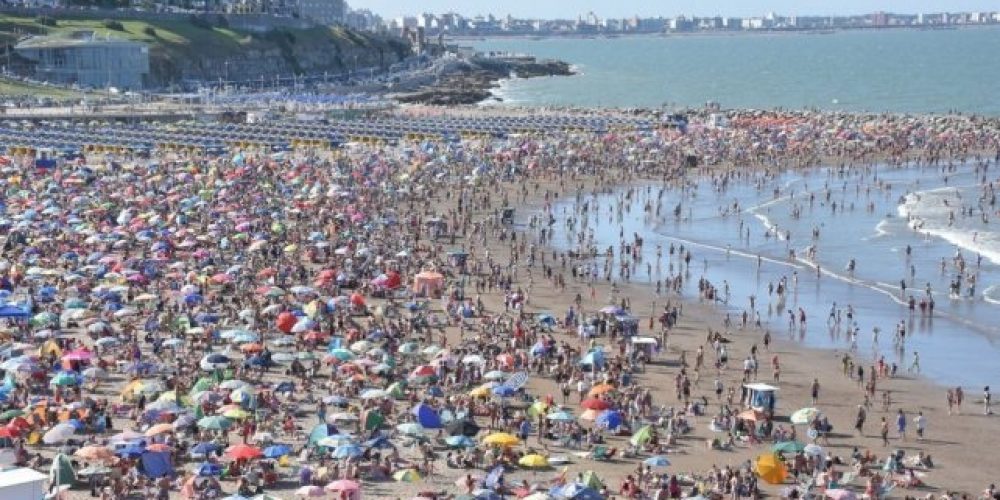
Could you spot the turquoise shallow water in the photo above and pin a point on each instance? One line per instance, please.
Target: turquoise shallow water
(893, 70)
(962, 331)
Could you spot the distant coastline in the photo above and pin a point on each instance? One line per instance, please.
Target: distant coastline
(711, 33)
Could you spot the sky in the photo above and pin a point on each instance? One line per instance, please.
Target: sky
(570, 9)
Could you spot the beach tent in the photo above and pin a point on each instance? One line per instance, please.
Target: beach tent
(22, 484)
(428, 282)
(760, 397)
(157, 464)
(427, 416)
(61, 473)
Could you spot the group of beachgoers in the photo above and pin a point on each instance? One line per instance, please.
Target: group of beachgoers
(373, 321)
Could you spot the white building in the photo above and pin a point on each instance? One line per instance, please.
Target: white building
(321, 11)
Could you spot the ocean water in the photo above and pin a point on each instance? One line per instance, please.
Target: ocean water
(889, 70)
(874, 224)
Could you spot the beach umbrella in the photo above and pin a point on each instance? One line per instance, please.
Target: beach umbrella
(59, 433)
(428, 417)
(538, 495)
(206, 469)
(504, 391)
(595, 404)
(609, 419)
(410, 429)
(501, 439)
(244, 451)
(840, 494)
(133, 450)
(276, 451)
(204, 448)
(94, 373)
(813, 450)
(342, 354)
(788, 447)
(215, 423)
(494, 375)
(560, 416)
(235, 413)
(589, 479)
(126, 436)
(63, 379)
(770, 469)
(336, 440)
(462, 427)
(345, 485)
(374, 394)
(657, 461)
(310, 491)
(61, 472)
(159, 429)
(600, 389)
(459, 441)
(94, 453)
(342, 416)
(642, 436)
(804, 415)
(348, 451)
(533, 460)
(10, 414)
(406, 476)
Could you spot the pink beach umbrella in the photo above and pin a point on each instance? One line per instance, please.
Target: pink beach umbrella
(344, 485)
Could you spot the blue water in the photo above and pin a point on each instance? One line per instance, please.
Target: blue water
(892, 70)
(962, 332)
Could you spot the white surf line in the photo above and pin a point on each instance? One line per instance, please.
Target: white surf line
(738, 253)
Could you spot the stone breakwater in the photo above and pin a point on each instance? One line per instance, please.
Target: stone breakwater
(470, 81)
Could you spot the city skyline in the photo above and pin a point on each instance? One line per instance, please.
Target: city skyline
(564, 9)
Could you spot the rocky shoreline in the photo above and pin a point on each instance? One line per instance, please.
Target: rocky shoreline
(470, 81)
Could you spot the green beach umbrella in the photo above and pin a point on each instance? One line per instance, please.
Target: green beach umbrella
(342, 354)
(788, 447)
(9, 414)
(409, 348)
(642, 436)
(591, 480)
(406, 476)
(61, 472)
(215, 423)
(63, 379)
(373, 420)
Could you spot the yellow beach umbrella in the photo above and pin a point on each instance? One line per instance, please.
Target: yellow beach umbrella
(534, 460)
(481, 392)
(770, 469)
(406, 476)
(501, 439)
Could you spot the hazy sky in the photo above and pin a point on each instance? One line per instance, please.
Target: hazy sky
(624, 8)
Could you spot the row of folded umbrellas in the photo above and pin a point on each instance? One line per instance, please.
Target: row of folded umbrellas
(282, 134)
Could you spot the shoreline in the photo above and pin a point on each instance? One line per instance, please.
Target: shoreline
(799, 363)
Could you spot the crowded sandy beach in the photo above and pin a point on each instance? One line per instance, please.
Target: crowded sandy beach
(392, 319)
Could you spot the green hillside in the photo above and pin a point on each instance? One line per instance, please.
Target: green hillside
(179, 44)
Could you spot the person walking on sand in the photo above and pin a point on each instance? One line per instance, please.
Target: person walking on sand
(859, 421)
(920, 422)
(987, 410)
(885, 432)
(814, 390)
(901, 424)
